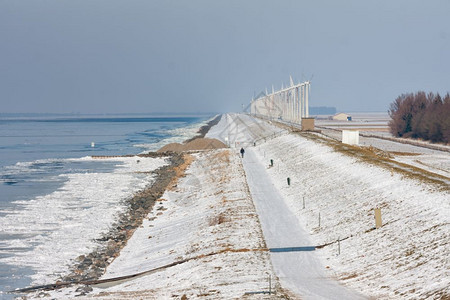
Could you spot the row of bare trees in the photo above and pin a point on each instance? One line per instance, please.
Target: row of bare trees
(421, 115)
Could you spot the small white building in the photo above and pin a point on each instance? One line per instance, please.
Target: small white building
(350, 137)
(342, 117)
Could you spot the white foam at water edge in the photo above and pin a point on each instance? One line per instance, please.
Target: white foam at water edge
(62, 225)
(179, 135)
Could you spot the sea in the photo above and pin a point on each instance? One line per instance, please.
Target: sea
(55, 199)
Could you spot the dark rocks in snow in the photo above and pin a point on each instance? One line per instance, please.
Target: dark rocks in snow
(83, 290)
(93, 265)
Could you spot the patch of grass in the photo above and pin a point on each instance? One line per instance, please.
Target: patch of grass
(403, 153)
(440, 294)
(180, 171)
(217, 220)
(348, 276)
(409, 252)
(374, 156)
(223, 156)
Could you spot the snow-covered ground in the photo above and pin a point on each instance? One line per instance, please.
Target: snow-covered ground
(435, 158)
(406, 258)
(56, 223)
(209, 218)
(299, 271)
(420, 157)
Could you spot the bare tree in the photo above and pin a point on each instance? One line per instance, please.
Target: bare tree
(421, 116)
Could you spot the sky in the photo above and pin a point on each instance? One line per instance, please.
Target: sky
(149, 56)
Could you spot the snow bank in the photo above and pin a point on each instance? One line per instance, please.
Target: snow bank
(210, 213)
(407, 257)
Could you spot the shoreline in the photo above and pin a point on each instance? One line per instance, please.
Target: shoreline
(191, 245)
(203, 130)
(208, 193)
(93, 265)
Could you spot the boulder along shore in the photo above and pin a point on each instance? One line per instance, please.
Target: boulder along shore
(93, 265)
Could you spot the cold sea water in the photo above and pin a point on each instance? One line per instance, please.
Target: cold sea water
(46, 162)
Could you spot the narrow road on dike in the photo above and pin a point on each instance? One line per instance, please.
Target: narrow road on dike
(299, 271)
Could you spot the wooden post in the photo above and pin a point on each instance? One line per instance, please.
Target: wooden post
(378, 222)
(270, 284)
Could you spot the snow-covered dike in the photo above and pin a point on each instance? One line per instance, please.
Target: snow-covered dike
(208, 223)
(238, 130)
(374, 131)
(407, 258)
(209, 216)
(298, 271)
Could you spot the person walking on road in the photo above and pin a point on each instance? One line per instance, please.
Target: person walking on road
(242, 152)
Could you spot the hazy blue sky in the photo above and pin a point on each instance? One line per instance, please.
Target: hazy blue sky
(110, 56)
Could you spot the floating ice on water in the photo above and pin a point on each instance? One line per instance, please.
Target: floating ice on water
(64, 224)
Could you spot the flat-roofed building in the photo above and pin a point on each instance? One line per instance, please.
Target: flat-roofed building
(342, 117)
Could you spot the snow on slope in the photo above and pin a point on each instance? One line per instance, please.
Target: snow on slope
(407, 258)
(238, 130)
(421, 154)
(299, 271)
(208, 212)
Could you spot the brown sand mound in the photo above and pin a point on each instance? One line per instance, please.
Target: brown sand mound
(197, 144)
(172, 147)
(204, 143)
